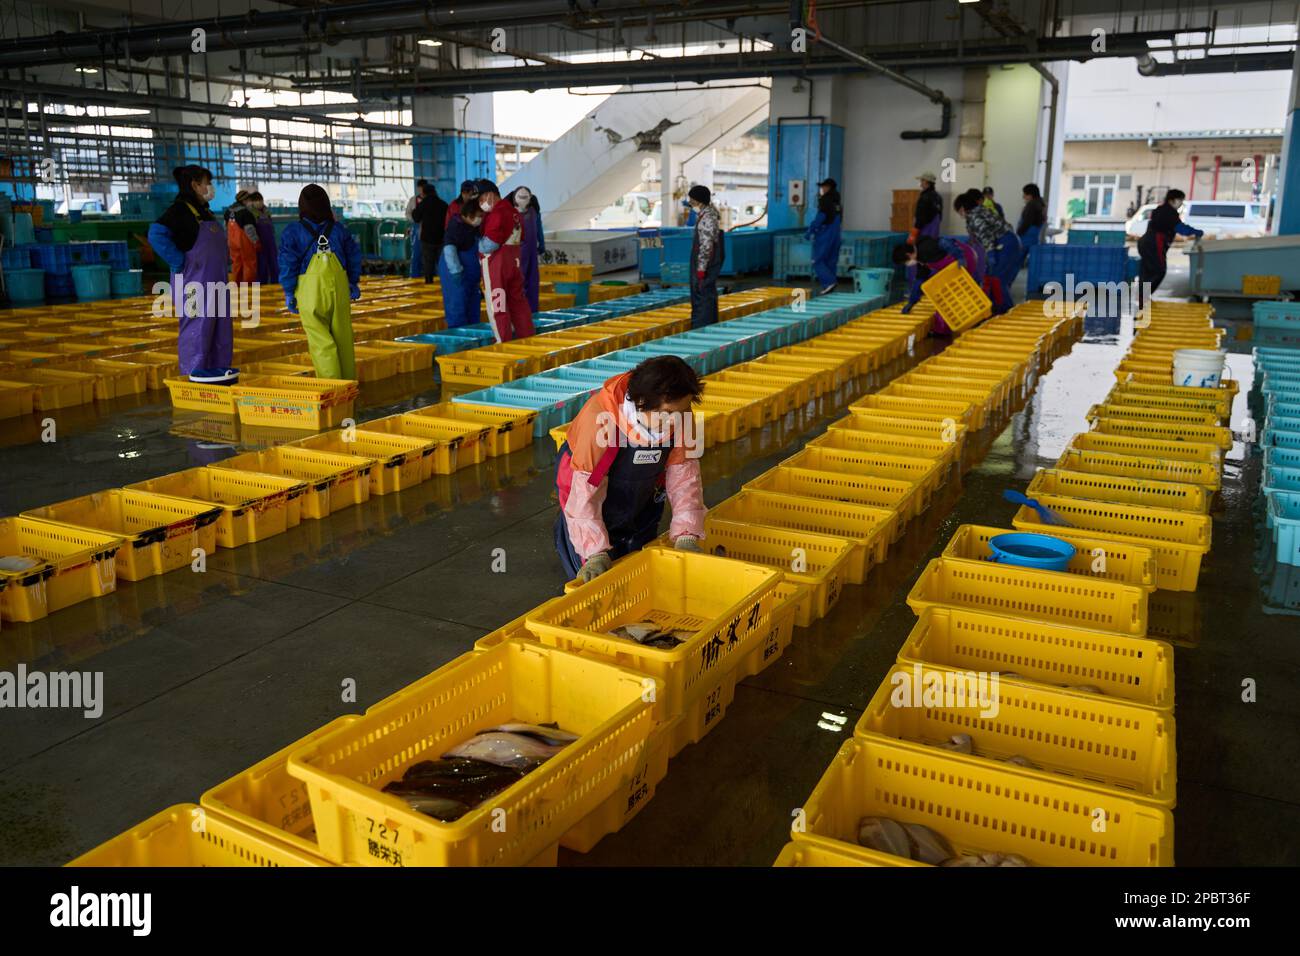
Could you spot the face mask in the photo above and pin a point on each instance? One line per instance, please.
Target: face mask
(1177, 204)
(485, 205)
(206, 193)
(521, 202)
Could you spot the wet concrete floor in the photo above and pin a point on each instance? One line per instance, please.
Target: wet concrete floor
(204, 674)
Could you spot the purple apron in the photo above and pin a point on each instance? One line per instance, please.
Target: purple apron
(268, 265)
(528, 258)
(206, 341)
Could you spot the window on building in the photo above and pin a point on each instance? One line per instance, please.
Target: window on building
(1126, 182)
(1100, 189)
(1077, 182)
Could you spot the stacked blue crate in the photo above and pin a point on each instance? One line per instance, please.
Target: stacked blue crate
(1076, 264)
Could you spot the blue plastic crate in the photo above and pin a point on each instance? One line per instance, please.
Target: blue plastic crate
(60, 286)
(1276, 457)
(1284, 520)
(1284, 316)
(1094, 264)
(1278, 478)
(1083, 236)
(675, 273)
(56, 259)
(16, 257)
(579, 290)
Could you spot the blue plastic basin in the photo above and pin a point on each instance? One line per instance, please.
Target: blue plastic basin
(1032, 551)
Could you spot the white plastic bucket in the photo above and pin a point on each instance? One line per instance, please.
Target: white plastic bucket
(1199, 368)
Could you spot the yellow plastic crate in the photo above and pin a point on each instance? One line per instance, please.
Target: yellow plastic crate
(55, 389)
(1031, 594)
(980, 808)
(160, 534)
(1166, 431)
(253, 506)
(901, 407)
(334, 482)
(490, 365)
(834, 370)
(401, 461)
(1171, 396)
(158, 366)
(1175, 495)
(925, 473)
(796, 388)
(266, 800)
(1159, 416)
(821, 856)
(816, 560)
(723, 601)
(372, 365)
(16, 399)
(870, 530)
(1173, 451)
(509, 429)
(744, 414)
(113, 379)
(76, 564)
(174, 838)
(772, 402)
(446, 439)
(475, 433)
(516, 681)
(929, 394)
(570, 272)
(1138, 670)
(307, 403)
(915, 438)
(991, 394)
(957, 297)
(1179, 538)
(831, 486)
(1001, 384)
(1118, 562)
(778, 629)
(1197, 473)
(819, 378)
(410, 356)
(1107, 746)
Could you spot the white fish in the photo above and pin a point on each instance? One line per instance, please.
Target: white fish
(987, 859)
(547, 735)
(1084, 689)
(17, 562)
(1020, 761)
(959, 744)
(506, 750)
(927, 846)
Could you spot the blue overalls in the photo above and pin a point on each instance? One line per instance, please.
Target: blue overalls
(825, 234)
(460, 290)
(634, 499)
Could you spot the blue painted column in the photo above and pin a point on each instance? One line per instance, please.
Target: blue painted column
(1288, 183)
(807, 149)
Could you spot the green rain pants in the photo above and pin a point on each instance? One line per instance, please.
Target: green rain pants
(326, 312)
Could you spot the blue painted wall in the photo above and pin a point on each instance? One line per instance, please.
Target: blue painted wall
(1288, 216)
(447, 159)
(801, 149)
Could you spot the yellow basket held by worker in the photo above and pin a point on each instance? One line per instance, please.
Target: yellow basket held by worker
(401, 462)
(1067, 659)
(253, 506)
(1093, 557)
(69, 565)
(979, 809)
(611, 708)
(957, 297)
(187, 835)
(334, 481)
(1032, 594)
(159, 534)
(1099, 744)
(816, 560)
(297, 402)
(722, 602)
(1174, 495)
(1180, 539)
(265, 799)
(870, 530)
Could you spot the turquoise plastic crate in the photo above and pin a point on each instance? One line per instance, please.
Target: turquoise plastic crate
(1284, 520)
(1281, 437)
(1283, 316)
(1281, 457)
(579, 290)
(1278, 478)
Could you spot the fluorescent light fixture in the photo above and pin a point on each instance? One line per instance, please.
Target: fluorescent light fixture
(87, 69)
(430, 43)
(968, 1)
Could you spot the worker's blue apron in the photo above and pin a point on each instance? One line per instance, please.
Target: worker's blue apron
(634, 501)
(460, 292)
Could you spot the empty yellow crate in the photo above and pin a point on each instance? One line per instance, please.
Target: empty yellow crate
(266, 800)
(856, 439)
(821, 379)
(346, 770)
(832, 486)
(1171, 396)
(401, 461)
(796, 387)
(253, 506)
(1197, 473)
(817, 560)
(198, 397)
(932, 438)
(1052, 596)
(55, 389)
(929, 394)
(957, 297)
(1108, 746)
(1156, 415)
(1138, 670)
(1179, 538)
(16, 399)
(113, 379)
(334, 482)
(923, 409)
(724, 602)
(510, 429)
(1118, 562)
(296, 402)
(73, 564)
(979, 808)
(1200, 452)
(1177, 496)
(871, 530)
(925, 473)
(186, 835)
(158, 366)
(489, 365)
(160, 534)
(411, 356)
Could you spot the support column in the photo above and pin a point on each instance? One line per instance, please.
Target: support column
(805, 144)
(465, 150)
(1287, 221)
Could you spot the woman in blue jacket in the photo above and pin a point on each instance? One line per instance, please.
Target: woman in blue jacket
(825, 235)
(320, 270)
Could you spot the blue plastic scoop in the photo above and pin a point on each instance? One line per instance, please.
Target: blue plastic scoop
(1047, 514)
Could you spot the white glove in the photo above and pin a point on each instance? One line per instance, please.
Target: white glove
(595, 566)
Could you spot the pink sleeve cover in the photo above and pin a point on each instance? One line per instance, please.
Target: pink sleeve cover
(686, 495)
(582, 515)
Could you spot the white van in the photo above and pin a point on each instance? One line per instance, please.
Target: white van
(1218, 218)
